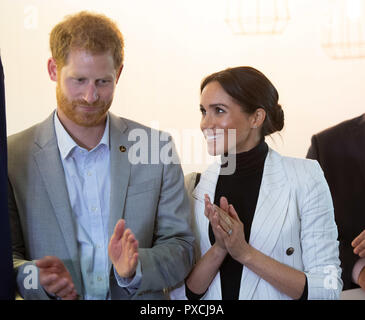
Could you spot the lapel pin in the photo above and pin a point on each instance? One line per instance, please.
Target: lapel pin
(122, 148)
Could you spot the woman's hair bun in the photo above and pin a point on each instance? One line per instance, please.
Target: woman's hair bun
(279, 118)
(274, 120)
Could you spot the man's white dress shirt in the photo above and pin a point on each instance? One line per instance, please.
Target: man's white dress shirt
(88, 183)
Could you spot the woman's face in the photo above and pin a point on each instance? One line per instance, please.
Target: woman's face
(219, 114)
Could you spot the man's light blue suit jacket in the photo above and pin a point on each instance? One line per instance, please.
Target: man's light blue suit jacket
(150, 197)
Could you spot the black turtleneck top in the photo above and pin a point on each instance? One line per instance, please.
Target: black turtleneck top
(241, 190)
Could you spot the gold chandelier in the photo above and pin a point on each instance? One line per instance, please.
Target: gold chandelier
(343, 35)
(257, 16)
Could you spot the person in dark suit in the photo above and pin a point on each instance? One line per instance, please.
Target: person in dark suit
(341, 154)
(7, 281)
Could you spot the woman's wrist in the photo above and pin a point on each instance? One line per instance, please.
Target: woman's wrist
(219, 251)
(246, 255)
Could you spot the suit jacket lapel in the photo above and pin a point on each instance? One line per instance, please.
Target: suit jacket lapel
(120, 168)
(269, 216)
(50, 167)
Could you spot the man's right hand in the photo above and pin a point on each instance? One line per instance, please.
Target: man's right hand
(55, 278)
(359, 244)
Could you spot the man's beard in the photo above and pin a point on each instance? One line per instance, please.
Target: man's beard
(85, 119)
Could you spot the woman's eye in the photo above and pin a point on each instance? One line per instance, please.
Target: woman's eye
(202, 111)
(219, 110)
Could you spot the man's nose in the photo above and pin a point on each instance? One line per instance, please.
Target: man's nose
(91, 94)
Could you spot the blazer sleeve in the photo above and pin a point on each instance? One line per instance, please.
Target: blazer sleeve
(178, 292)
(27, 277)
(319, 237)
(170, 259)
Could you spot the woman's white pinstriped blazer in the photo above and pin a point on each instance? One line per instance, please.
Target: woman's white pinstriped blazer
(294, 210)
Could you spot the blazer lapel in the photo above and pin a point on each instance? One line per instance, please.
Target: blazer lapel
(120, 168)
(207, 185)
(269, 216)
(51, 170)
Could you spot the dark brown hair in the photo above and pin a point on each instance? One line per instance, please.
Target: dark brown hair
(251, 90)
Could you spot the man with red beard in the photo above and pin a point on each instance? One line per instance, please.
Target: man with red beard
(86, 222)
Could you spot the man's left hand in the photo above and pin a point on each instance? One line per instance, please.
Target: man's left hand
(123, 250)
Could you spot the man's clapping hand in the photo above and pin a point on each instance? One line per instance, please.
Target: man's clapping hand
(55, 278)
(123, 250)
(359, 244)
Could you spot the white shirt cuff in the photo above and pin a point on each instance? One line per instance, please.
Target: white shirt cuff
(131, 284)
(359, 265)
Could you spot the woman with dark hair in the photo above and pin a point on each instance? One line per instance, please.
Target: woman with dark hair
(270, 231)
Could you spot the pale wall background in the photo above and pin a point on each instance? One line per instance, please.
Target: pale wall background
(170, 46)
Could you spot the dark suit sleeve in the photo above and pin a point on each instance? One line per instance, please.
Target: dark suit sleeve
(7, 279)
(313, 149)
